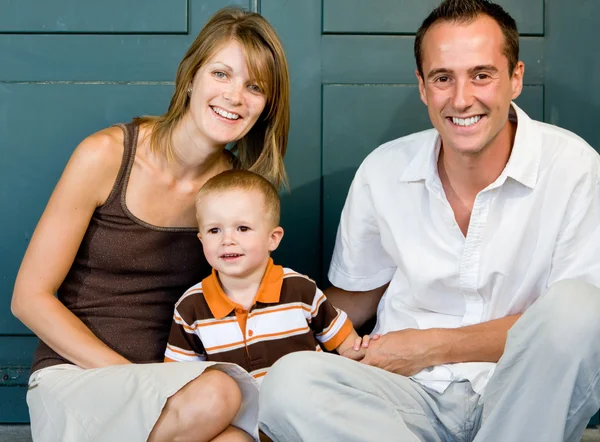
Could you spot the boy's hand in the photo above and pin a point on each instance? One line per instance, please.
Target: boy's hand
(358, 350)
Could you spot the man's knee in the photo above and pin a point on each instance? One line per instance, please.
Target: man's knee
(569, 316)
(287, 385)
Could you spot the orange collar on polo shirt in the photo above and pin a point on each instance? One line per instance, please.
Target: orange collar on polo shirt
(268, 291)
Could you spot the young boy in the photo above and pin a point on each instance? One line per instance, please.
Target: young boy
(250, 311)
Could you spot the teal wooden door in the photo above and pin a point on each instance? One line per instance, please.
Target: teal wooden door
(69, 68)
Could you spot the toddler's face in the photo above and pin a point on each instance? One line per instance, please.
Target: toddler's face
(236, 233)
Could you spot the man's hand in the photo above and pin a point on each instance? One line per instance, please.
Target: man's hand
(405, 352)
(359, 348)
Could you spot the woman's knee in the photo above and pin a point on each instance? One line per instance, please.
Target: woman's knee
(213, 397)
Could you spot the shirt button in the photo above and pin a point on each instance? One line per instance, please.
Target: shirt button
(250, 333)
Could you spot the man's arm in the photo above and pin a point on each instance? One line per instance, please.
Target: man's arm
(359, 306)
(409, 351)
(482, 342)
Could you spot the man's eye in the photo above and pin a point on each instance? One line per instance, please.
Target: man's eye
(482, 76)
(442, 79)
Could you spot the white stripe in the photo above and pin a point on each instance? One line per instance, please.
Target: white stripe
(318, 300)
(193, 290)
(337, 325)
(277, 321)
(188, 357)
(218, 334)
(262, 338)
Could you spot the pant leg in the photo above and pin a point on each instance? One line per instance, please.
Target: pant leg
(310, 396)
(546, 385)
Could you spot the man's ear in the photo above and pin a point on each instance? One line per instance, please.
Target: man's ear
(422, 93)
(275, 238)
(517, 79)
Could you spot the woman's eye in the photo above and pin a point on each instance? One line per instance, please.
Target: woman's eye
(220, 74)
(255, 88)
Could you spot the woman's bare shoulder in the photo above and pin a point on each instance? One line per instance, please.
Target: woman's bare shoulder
(97, 161)
(104, 147)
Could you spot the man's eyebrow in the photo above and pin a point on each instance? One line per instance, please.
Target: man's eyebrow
(435, 72)
(484, 67)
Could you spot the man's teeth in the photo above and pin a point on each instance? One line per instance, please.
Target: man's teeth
(466, 121)
(226, 114)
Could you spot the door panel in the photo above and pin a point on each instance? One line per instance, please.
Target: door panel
(405, 16)
(90, 16)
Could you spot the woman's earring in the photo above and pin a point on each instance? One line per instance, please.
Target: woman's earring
(189, 91)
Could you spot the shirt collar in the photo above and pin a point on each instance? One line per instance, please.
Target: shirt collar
(268, 292)
(522, 165)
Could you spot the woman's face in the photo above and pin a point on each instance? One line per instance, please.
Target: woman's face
(225, 100)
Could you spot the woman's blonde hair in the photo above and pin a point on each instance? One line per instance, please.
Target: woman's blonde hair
(262, 149)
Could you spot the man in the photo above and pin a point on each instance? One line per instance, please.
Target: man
(478, 245)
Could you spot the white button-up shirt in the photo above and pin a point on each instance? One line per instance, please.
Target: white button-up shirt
(538, 223)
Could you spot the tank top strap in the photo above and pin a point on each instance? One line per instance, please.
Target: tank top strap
(130, 137)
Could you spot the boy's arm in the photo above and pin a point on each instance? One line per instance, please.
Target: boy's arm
(184, 345)
(330, 324)
(352, 347)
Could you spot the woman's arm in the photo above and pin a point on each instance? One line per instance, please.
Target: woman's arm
(85, 184)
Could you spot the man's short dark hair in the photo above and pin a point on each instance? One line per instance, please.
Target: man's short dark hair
(465, 11)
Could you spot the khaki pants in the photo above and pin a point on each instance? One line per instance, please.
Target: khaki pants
(545, 387)
(119, 403)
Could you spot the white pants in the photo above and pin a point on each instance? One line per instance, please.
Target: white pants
(545, 387)
(119, 403)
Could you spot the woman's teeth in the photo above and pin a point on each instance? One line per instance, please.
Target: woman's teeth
(225, 114)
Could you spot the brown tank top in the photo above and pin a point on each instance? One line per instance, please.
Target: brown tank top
(127, 275)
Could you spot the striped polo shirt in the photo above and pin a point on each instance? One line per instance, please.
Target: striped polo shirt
(290, 314)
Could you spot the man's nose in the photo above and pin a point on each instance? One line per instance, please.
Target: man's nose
(463, 95)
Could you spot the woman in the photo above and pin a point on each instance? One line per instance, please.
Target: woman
(117, 241)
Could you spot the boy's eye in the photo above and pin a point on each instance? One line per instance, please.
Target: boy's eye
(213, 231)
(243, 228)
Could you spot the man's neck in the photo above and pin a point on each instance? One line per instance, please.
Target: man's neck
(469, 174)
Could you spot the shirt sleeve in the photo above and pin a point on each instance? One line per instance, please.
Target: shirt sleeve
(330, 324)
(360, 262)
(183, 345)
(577, 250)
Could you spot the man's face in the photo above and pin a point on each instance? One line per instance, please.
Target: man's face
(466, 84)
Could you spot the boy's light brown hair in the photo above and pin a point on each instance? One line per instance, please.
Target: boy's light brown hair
(243, 180)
